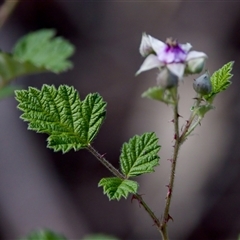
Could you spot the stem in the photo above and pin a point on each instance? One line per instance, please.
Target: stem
(116, 173)
(6, 9)
(106, 163)
(187, 130)
(178, 142)
(166, 215)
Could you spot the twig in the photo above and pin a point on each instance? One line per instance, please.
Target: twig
(116, 173)
(6, 9)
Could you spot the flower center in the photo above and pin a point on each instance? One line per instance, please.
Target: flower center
(172, 52)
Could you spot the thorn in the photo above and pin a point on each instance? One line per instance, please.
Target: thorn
(102, 156)
(169, 191)
(168, 218)
(179, 115)
(156, 223)
(175, 136)
(170, 159)
(134, 197)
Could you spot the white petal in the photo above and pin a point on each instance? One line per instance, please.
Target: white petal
(177, 69)
(150, 62)
(157, 45)
(195, 54)
(186, 47)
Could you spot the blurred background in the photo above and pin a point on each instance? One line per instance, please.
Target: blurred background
(39, 188)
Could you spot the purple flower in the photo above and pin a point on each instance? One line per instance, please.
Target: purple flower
(177, 58)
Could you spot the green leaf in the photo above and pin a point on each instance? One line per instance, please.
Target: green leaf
(220, 81)
(70, 123)
(99, 237)
(140, 155)
(115, 188)
(93, 113)
(44, 234)
(8, 91)
(44, 50)
(159, 94)
(202, 110)
(11, 68)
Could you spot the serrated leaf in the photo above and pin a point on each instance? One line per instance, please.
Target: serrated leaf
(93, 113)
(116, 188)
(44, 50)
(99, 237)
(140, 155)
(159, 94)
(220, 80)
(44, 234)
(70, 123)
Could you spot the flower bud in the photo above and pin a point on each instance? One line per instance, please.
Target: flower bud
(166, 79)
(202, 84)
(195, 65)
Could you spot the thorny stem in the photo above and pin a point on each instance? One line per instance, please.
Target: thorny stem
(166, 215)
(106, 163)
(115, 172)
(179, 139)
(6, 9)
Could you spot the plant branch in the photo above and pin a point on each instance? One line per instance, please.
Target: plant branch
(187, 130)
(6, 9)
(166, 215)
(106, 163)
(116, 173)
(179, 139)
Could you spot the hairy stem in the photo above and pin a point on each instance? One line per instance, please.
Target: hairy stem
(6, 9)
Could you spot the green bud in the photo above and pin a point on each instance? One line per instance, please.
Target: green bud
(195, 65)
(202, 84)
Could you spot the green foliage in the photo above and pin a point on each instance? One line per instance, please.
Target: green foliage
(202, 110)
(44, 51)
(11, 68)
(44, 234)
(34, 53)
(69, 122)
(115, 187)
(159, 94)
(7, 91)
(220, 80)
(99, 237)
(139, 155)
